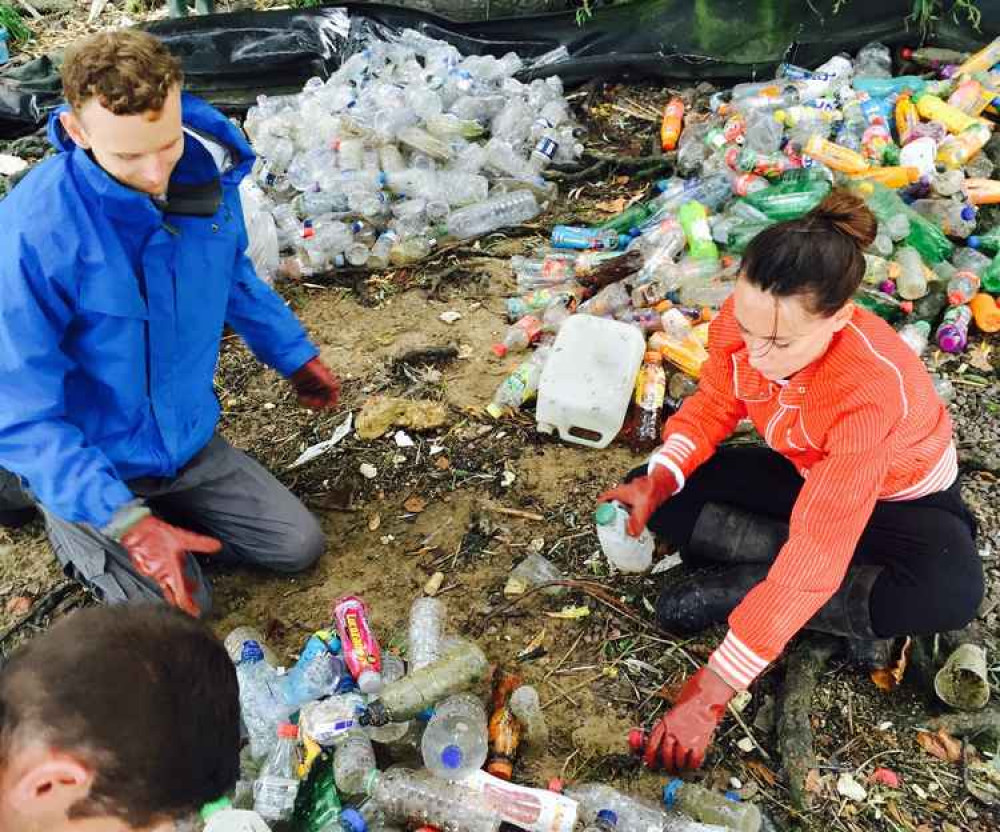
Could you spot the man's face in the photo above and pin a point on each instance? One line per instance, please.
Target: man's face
(39, 785)
(140, 151)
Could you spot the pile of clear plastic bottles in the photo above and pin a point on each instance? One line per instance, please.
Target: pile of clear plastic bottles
(910, 144)
(406, 144)
(318, 731)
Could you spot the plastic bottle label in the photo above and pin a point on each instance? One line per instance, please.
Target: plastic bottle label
(536, 810)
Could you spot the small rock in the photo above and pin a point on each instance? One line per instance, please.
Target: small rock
(368, 471)
(434, 584)
(746, 745)
(403, 439)
(450, 317)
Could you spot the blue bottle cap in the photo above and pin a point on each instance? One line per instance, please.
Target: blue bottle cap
(973, 241)
(452, 757)
(968, 213)
(670, 792)
(608, 817)
(733, 796)
(251, 653)
(351, 821)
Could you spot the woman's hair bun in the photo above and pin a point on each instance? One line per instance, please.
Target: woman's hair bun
(848, 214)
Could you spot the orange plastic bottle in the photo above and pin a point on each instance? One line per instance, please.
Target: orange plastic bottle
(907, 118)
(986, 312)
(894, 177)
(504, 730)
(673, 123)
(834, 156)
(982, 191)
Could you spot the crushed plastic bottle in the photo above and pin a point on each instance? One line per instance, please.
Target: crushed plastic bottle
(458, 668)
(633, 813)
(527, 708)
(317, 673)
(709, 806)
(426, 632)
(533, 571)
(521, 386)
(405, 796)
(220, 816)
(353, 763)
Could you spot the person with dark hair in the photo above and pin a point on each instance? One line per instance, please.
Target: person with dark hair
(122, 259)
(116, 720)
(849, 522)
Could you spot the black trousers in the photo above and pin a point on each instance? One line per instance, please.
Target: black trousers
(932, 579)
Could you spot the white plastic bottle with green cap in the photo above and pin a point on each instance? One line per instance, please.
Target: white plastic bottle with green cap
(220, 816)
(627, 553)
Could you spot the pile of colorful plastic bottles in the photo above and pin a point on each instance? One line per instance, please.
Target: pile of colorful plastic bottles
(354, 738)
(911, 145)
(408, 142)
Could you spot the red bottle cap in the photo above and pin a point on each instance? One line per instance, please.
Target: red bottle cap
(637, 740)
(287, 731)
(906, 53)
(555, 785)
(499, 350)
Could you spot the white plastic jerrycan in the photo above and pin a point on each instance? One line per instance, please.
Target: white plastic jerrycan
(588, 381)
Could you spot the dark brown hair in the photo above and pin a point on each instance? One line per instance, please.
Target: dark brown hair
(818, 256)
(145, 695)
(129, 72)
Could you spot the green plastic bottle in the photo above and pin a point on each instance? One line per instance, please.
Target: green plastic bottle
(317, 807)
(988, 242)
(991, 277)
(788, 200)
(632, 217)
(924, 236)
(694, 220)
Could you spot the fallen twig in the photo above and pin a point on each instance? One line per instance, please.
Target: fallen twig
(795, 736)
(43, 606)
(516, 512)
(969, 724)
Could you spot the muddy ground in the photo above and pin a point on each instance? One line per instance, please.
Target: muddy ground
(440, 506)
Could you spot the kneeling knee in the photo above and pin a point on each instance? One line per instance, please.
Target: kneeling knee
(301, 548)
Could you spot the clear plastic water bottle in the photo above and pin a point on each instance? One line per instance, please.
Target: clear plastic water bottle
(916, 336)
(521, 386)
(496, 212)
(317, 673)
(912, 281)
(962, 287)
(277, 786)
(328, 722)
(527, 708)
(606, 821)
(220, 816)
(458, 668)
(261, 701)
(709, 806)
(634, 813)
(455, 742)
(874, 60)
(393, 669)
(240, 635)
(427, 619)
(534, 570)
(353, 763)
(624, 552)
(404, 795)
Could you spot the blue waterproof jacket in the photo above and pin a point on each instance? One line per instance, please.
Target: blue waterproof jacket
(111, 317)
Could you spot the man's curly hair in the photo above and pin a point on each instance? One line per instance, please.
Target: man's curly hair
(129, 72)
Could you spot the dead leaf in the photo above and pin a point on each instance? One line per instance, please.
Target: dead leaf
(442, 463)
(885, 777)
(612, 206)
(533, 645)
(762, 772)
(888, 678)
(979, 357)
(814, 782)
(374, 522)
(18, 605)
(415, 504)
(622, 180)
(940, 744)
(851, 788)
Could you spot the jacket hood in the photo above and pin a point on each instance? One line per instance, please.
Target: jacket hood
(197, 115)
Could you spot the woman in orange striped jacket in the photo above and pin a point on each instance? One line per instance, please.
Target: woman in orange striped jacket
(849, 522)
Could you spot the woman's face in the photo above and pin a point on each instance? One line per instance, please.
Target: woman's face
(781, 334)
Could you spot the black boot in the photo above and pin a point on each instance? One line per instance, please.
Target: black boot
(848, 614)
(706, 596)
(724, 534)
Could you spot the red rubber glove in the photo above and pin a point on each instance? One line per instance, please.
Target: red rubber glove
(160, 551)
(643, 496)
(681, 738)
(316, 387)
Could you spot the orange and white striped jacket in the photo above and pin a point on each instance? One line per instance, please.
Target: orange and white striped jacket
(862, 423)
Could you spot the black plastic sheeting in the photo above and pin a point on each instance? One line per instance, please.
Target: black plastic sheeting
(230, 59)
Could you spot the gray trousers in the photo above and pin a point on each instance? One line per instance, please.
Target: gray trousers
(221, 492)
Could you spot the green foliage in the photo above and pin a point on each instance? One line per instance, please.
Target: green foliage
(11, 20)
(925, 12)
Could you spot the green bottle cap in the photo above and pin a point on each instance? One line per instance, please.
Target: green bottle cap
(605, 514)
(215, 807)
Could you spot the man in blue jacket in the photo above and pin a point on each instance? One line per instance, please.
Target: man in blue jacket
(121, 260)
